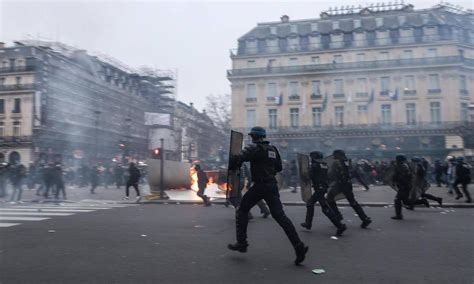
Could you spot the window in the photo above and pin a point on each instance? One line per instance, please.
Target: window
(315, 87)
(252, 92)
(435, 112)
(294, 28)
(293, 61)
(2, 106)
(4, 64)
(362, 114)
(339, 111)
(251, 46)
(317, 112)
(251, 64)
(463, 85)
(2, 81)
(361, 88)
(293, 43)
(432, 52)
(356, 24)
(271, 63)
(251, 118)
(337, 58)
(386, 114)
(433, 83)
(411, 113)
(2, 129)
(384, 55)
(272, 90)
(360, 57)
(384, 86)
(409, 82)
(272, 118)
(335, 25)
(17, 106)
(293, 88)
(379, 22)
(407, 54)
(339, 87)
(464, 112)
(294, 117)
(16, 128)
(18, 80)
(273, 30)
(315, 60)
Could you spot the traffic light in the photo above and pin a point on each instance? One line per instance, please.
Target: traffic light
(156, 153)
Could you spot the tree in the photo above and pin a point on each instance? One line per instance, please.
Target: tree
(218, 108)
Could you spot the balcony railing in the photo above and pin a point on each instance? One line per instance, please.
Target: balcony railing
(251, 100)
(380, 64)
(15, 139)
(338, 96)
(434, 91)
(17, 69)
(294, 97)
(316, 96)
(362, 95)
(17, 87)
(409, 92)
(464, 92)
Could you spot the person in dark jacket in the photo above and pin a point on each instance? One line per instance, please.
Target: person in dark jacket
(463, 177)
(402, 179)
(133, 179)
(58, 181)
(265, 163)
(17, 175)
(341, 182)
(202, 184)
(94, 178)
(319, 178)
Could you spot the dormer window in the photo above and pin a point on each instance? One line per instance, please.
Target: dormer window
(314, 27)
(335, 25)
(273, 30)
(357, 24)
(402, 20)
(294, 29)
(379, 22)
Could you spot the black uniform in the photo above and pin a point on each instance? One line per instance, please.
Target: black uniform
(319, 178)
(265, 162)
(420, 171)
(463, 177)
(402, 178)
(340, 179)
(133, 179)
(202, 184)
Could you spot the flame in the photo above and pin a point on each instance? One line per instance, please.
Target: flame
(211, 183)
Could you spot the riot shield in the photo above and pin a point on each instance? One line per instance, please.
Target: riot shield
(305, 176)
(233, 176)
(419, 185)
(388, 178)
(329, 160)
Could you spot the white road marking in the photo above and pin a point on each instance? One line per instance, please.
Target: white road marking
(36, 213)
(61, 207)
(28, 209)
(22, 218)
(4, 225)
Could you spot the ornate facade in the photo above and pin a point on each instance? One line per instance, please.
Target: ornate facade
(372, 80)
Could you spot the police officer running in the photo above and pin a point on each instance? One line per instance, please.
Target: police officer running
(341, 182)
(265, 162)
(319, 178)
(402, 178)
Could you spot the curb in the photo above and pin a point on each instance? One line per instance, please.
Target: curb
(364, 204)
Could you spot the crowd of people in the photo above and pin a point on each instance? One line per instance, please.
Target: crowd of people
(50, 180)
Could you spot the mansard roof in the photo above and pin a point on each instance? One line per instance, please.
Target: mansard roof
(368, 22)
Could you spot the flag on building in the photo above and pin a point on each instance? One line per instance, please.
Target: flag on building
(371, 98)
(279, 99)
(394, 96)
(325, 102)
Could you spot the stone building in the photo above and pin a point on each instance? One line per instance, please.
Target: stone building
(375, 80)
(58, 102)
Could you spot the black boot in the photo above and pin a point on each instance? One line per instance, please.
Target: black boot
(240, 247)
(365, 223)
(398, 209)
(306, 226)
(440, 201)
(300, 250)
(341, 230)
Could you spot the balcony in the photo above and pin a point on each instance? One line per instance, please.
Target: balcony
(464, 92)
(434, 91)
(338, 96)
(294, 98)
(384, 93)
(316, 96)
(348, 66)
(20, 87)
(251, 100)
(17, 69)
(15, 139)
(409, 92)
(362, 95)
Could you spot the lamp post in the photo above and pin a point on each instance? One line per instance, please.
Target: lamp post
(162, 164)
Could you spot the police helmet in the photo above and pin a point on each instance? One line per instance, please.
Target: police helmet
(315, 155)
(258, 132)
(416, 159)
(339, 154)
(400, 158)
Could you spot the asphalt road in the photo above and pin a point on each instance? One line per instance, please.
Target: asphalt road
(187, 244)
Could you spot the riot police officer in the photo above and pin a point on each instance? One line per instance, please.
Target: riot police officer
(319, 178)
(463, 177)
(402, 178)
(341, 182)
(265, 162)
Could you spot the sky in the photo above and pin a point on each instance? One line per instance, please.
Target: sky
(192, 38)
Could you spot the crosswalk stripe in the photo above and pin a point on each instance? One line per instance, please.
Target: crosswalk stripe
(22, 218)
(27, 209)
(62, 207)
(4, 225)
(36, 213)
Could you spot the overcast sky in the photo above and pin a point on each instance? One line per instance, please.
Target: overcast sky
(192, 37)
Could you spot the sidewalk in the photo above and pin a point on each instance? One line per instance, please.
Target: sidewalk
(376, 196)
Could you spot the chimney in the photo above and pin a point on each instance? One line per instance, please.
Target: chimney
(285, 19)
(2, 44)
